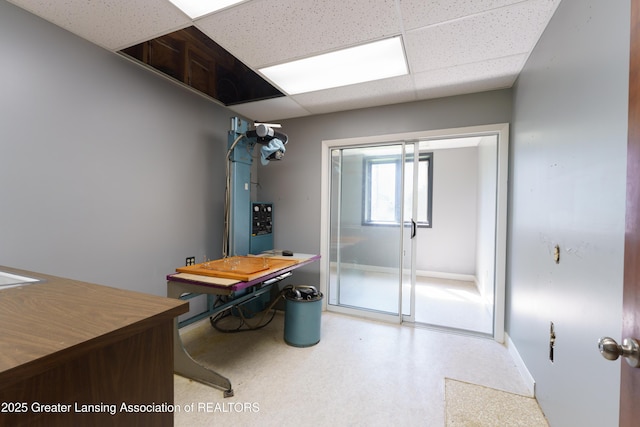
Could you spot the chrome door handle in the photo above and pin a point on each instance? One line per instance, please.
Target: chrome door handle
(611, 350)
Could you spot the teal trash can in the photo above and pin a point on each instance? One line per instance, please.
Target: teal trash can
(302, 314)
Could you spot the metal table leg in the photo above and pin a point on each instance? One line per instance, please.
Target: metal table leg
(184, 364)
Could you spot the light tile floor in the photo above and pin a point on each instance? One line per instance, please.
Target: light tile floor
(454, 304)
(362, 373)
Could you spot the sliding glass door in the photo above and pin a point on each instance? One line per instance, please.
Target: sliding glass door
(454, 280)
(416, 228)
(367, 232)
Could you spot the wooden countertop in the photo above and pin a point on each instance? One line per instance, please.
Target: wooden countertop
(52, 321)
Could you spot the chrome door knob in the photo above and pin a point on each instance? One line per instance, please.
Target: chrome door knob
(611, 350)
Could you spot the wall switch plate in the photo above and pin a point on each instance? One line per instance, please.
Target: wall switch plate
(190, 261)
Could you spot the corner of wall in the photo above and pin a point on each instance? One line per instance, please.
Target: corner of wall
(522, 368)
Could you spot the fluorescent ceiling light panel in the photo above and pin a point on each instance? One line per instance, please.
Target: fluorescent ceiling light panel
(364, 63)
(198, 8)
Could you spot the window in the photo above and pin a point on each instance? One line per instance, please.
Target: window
(383, 179)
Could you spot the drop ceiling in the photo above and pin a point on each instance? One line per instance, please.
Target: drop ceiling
(452, 47)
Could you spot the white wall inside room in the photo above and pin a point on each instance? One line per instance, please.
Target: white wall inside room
(449, 246)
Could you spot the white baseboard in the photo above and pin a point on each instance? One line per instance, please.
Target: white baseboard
(419, 273)
(526, 375)
(449, 276)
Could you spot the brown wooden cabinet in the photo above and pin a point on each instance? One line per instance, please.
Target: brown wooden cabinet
(74, 353)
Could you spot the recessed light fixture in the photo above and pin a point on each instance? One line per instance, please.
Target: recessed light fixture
(359, 64)
(198, 8)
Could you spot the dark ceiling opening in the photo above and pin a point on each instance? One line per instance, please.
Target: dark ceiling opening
(192, 58)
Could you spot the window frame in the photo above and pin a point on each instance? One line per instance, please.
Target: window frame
(369, 161)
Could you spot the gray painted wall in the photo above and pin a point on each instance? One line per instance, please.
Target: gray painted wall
(569, 135)
(108, 173)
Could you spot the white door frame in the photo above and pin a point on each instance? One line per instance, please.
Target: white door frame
(502, 130)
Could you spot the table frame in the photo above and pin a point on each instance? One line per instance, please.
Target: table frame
(178, 286)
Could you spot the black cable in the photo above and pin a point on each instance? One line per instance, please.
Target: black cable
(243, 322)
(243, 318)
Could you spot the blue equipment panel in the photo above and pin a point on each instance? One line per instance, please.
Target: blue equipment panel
(240, 220)
(261, 228)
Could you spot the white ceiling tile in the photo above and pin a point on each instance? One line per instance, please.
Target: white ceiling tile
(458, 89)
(270, 109)
(266, 32)
(502, 32)
(421, 13)
(453, 46)
(486, 75)
(389, 91)
(113, 24)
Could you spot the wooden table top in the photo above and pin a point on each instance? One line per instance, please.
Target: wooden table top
(241, 268)
(55, 319)
(220, 276)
